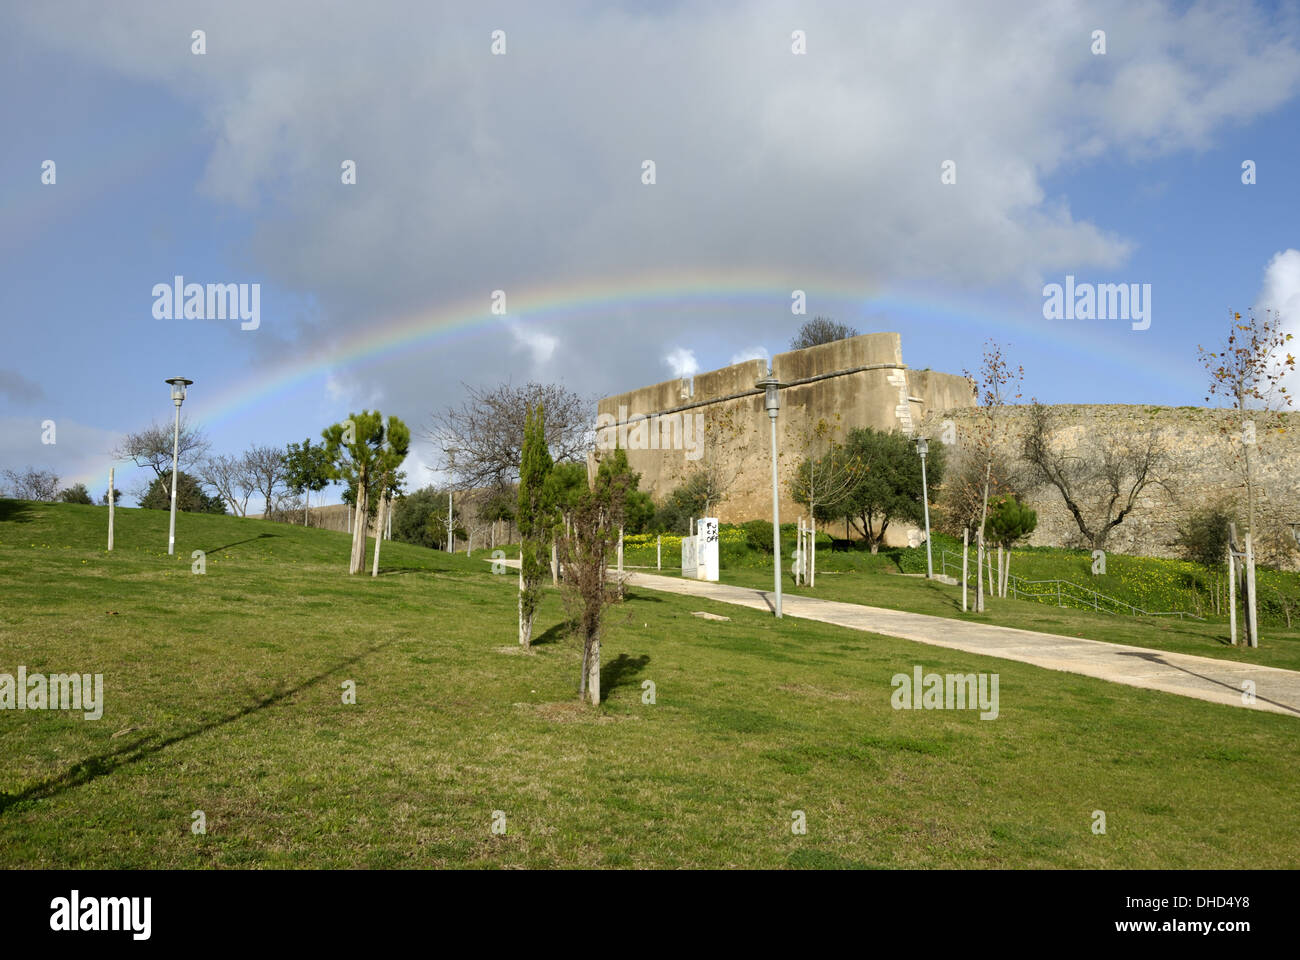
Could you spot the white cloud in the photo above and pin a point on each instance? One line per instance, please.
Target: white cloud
(682, 362)
(475, 170)
(345, 390)
(756, 352)
(418, 473)
(540, 346)
(1281, 292)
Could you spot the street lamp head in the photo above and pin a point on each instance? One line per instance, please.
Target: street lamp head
(922, 446)
(771, 398)
(178, 389)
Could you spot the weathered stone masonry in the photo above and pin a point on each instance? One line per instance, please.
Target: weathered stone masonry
(862, 380)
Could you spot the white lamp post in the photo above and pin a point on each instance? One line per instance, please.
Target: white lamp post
(178, 397)
(772, 401)
(923, 447)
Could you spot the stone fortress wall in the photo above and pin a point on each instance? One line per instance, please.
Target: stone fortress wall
(863, 381)
(1202, 471)
(858, 382)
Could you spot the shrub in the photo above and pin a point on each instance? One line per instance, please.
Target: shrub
(77, 493)
(190, 497)
(411, 515)
(1203, 536)
(758, 535)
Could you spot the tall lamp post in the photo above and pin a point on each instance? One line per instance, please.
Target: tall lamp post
(178, 397)
(772, 401)
(923, 447)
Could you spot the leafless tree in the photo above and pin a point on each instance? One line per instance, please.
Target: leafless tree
(32, 484)
(287, 508)
(826, 474)
(482, 439)
(714, 473)
(1250, 370)
(267, 470)
(821, 330)
(995, 385)
(230, 479)
(152, 447)
(961, 494)
(1102, 479)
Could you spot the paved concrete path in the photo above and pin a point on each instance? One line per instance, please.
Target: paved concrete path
(1205, 678)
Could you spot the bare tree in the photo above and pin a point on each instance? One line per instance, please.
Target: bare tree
(821, 330)
(230, 479)
(268, 471)
(1102, 479)
(1248, 370)
(482, 440)
(961, 495)
(712, 476)
(152, 447)
(32, 484)
(996, 385)
(826, 475)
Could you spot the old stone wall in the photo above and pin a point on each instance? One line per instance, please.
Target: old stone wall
(858, 382)
(718, 423)
(1202, 468)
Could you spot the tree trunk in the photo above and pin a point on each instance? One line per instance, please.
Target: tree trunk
(979, 534)
(359, 531)
(379, 525)
(593, 671)
(812, 556)
(1232, 597)
(525, 629)
(1252, 598)
(965, 564)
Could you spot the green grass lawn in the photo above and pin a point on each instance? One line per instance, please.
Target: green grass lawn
(878, 587)
(223, 694)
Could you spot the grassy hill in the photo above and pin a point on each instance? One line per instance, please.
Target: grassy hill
(223, 694)
(1151, 583)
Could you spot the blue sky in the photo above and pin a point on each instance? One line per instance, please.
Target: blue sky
(522, 172)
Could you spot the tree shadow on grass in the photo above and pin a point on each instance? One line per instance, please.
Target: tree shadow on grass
(91, 768)
(398, 571)
(238, 543)
(1157, 658)
(620, 671)
(15, 511)
(552, 635)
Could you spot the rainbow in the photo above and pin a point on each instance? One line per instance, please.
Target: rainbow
(467, 318)
(697, 289)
